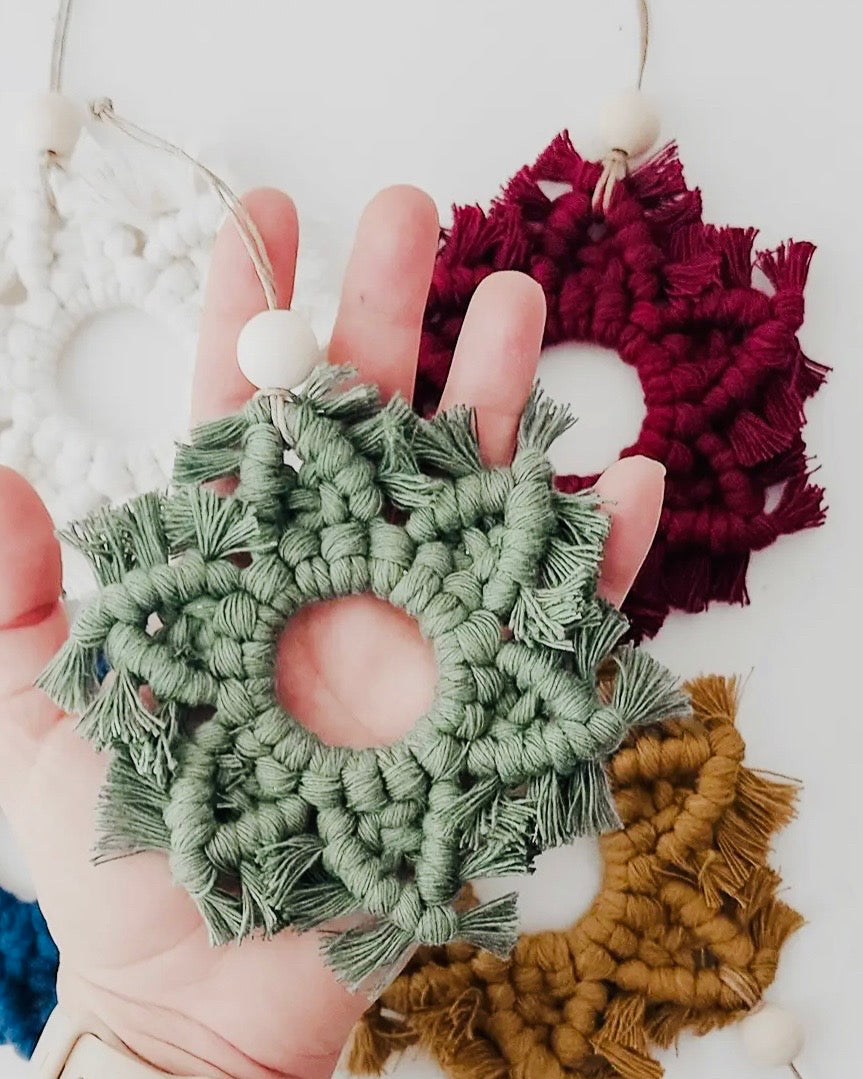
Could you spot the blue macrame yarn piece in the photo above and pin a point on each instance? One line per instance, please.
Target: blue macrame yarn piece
(28, 973)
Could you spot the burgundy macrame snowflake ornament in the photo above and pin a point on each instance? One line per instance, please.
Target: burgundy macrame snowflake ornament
(722, 371)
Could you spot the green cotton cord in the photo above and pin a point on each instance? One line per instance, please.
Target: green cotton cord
(266, 826)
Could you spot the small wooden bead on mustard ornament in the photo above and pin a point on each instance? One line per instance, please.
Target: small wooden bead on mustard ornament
(772, 1036)
(277, 350)
(629, 122)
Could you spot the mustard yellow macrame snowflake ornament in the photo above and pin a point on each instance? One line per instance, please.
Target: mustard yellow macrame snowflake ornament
(265, 825)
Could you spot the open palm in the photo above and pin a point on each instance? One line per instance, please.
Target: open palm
(135, 960)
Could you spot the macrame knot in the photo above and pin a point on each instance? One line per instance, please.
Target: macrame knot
(615, 166)
(439, 924)
(100, 107)
(338, 494)
(277, 399)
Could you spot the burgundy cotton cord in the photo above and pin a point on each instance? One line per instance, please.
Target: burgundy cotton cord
(722, 371)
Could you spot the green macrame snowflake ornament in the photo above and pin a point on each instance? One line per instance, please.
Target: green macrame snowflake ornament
(268, 827)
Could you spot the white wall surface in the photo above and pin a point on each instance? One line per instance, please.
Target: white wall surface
(333, 100)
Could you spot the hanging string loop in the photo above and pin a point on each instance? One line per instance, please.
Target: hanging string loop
(102, 109)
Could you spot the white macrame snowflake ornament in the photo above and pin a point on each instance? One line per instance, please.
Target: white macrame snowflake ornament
(105, 248)
(121, 235)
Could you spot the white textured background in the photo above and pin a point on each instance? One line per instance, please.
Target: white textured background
(333, 100)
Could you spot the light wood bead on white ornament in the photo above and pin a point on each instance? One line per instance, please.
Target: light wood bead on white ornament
(629, 122)
(49, 123)
(772, 1036)
(277, 350)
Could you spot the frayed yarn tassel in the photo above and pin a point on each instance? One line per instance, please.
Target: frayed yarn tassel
(622, 1042)
(801, 505)
(70, 679)
(131, 812)
(375, 1042)
(492, 926)
(356, 954)
(578, 805)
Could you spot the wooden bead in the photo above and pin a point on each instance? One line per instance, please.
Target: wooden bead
(629, 122)
(277, 350)
(49, 123)
(772, 1036)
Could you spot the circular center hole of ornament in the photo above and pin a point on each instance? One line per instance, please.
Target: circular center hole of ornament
(355, 671)
(565, 884)
(125, 375)
(603, 393)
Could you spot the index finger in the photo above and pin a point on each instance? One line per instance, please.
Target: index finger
(234, 295)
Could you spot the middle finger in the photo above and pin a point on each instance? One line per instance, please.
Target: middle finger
(386, 286)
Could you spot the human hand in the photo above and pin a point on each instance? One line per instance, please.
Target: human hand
(134, 950)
